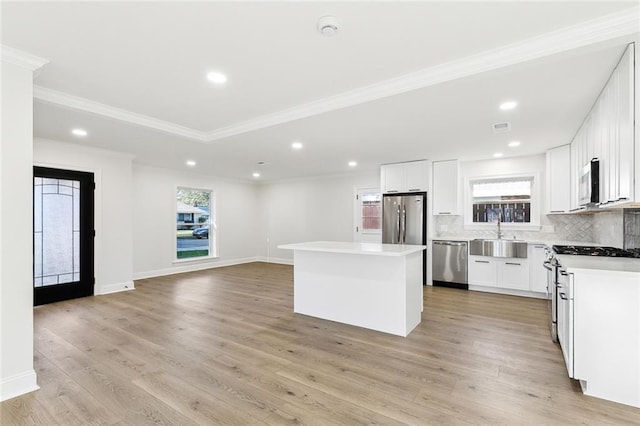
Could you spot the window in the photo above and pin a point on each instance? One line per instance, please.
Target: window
(195, 227)
(512, 199)
(371, 212)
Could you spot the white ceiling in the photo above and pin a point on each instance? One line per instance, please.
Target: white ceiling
(400, 81)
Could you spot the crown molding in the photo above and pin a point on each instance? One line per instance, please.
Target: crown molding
(600, 29)
(619, 24)
(22, 59)
(60, 98)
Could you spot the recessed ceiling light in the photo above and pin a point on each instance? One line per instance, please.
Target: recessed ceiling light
(296, 145)
(256, 175)
(508, 105)
(498, 154)
(191, 163)
(217, 77)
(352, 164)
(79, 132)
(513, 144)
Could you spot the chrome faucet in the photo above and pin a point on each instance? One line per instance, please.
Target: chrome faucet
(500, 233)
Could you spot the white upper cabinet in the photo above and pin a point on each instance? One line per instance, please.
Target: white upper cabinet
(559, 179)
(608, 134)
(412, 176)
(446, 193)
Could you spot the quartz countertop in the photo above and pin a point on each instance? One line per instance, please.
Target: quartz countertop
(374, 249)
(575, 263)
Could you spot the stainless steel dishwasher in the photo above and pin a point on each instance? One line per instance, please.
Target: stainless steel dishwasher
(449, 264)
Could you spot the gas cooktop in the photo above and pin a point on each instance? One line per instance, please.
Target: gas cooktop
(597, 251)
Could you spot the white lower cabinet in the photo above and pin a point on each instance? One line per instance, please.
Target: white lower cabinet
(606, 332)
(537, 272)
(513, 274)
(499, 272)
(483, 271)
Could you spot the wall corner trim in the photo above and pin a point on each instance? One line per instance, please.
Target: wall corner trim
(22, 59)
(18, 384)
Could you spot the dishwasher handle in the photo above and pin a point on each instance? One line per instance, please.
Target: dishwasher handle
(450, 243)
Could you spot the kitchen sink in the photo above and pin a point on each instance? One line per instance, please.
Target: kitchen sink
(498, 248)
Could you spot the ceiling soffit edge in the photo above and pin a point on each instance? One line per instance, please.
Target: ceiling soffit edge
(607, 27)
(22, 59)
(60, 98)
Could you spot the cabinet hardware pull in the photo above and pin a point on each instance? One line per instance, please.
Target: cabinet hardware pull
(481, 261)
(539, 246)
(444, 212)
(556, 211)
(511, 263)
(414, 189)
(563, 273)
(563, 296)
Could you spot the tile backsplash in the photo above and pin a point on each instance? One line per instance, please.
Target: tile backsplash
(602, 228)
(631, 223)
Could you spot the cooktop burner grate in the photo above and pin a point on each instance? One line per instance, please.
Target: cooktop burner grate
(596, 251)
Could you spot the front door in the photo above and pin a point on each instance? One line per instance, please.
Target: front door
(63, 234)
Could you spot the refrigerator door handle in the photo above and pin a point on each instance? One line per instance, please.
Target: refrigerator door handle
(404, 224)
(398, 228)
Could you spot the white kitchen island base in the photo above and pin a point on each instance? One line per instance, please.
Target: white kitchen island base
(375, 286)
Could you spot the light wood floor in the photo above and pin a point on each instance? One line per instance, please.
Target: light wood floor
(223, 347)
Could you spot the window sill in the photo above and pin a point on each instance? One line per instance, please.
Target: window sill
(504, 226)
(195, 259)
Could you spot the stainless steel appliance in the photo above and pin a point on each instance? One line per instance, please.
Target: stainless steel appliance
(450, 264)
(589, 184)
(404, 221)
(551, 265)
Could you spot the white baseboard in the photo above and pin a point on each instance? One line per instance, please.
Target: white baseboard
(279, 260)
(114, 288)
(18, 384)
(192, 268)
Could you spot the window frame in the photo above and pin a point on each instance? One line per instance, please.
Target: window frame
(212, 222)
(535, 202)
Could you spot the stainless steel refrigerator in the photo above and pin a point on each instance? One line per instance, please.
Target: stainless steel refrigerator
(404, 221)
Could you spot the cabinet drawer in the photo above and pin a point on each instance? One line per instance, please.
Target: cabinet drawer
(513, 274)
(482, 271)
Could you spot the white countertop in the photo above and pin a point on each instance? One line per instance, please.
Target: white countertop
(374, 249)
(576, 263)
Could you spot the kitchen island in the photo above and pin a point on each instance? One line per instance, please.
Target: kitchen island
(370, 285)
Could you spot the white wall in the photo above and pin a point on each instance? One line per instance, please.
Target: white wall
(154, 209)
(113, 206)
(17, 375)
(308, 210)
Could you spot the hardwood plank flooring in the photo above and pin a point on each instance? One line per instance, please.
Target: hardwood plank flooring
(222, 346)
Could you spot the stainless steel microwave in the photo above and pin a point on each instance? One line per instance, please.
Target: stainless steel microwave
(589, 183)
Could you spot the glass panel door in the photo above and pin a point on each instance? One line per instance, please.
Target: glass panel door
(62, 234)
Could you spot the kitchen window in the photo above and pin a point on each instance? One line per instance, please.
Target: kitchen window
(513, 199)
(195, 224)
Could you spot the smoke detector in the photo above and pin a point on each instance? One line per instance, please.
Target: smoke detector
(328, 26)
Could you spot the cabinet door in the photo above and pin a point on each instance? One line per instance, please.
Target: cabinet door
(537, 271)
(482, 271)
(392, 178)
(416, 176)
(445, 187)
(559, 179)
(625, 126)
(513, 274)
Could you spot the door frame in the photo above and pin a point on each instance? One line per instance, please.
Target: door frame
(358, 237)
(84, 287)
